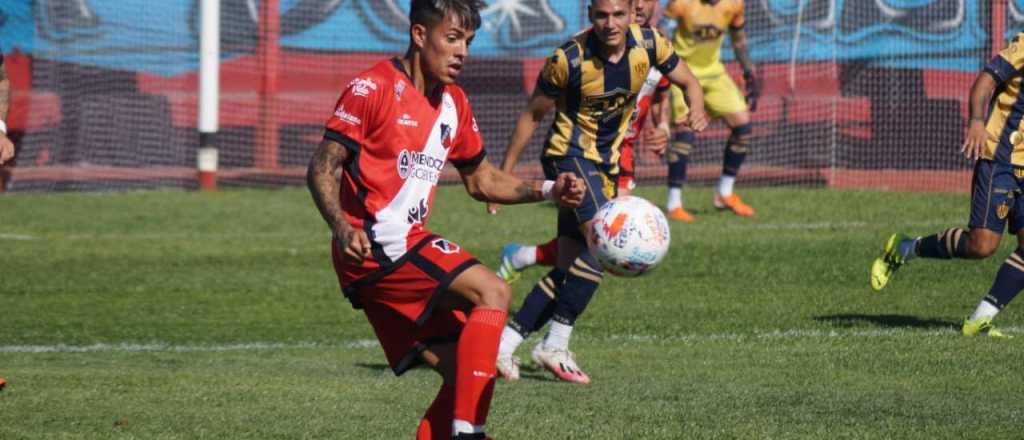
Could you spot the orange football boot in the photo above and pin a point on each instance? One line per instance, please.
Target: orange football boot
(681, 214)
(733, 203)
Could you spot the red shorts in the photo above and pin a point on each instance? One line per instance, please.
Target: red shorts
(399, 299)
(626, 164)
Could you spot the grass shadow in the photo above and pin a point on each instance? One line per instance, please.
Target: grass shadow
(856, 320)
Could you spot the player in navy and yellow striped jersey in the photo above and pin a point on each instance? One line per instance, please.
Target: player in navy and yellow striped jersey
(997, 142)
(593, 81)
(698, 39)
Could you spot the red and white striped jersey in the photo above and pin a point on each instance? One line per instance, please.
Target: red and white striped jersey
(399, 141)
(655, 82)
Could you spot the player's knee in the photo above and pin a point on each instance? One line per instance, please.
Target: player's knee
(982, 244)
(739, 138)
(496, 296)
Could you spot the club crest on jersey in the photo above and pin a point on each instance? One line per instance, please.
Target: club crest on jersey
(362, 86)
(445, 246)
(417, 214)
(446, 132)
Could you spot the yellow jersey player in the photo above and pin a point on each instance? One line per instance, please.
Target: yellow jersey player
(997, 142)
(698, 38)
(592, 81)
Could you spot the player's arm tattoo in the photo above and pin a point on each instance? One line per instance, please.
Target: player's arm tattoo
(5, 92)
(321, 178)
(739, 47)
(981, 93)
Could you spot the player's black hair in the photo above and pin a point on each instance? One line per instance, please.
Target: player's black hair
(431, 12)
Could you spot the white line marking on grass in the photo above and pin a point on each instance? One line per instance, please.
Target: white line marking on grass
(20, 237)
(842, 225)
(373, 344)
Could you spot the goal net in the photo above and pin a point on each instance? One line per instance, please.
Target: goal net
(857, 94)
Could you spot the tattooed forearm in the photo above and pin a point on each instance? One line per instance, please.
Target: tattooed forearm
(323, 185)
(739, 46)
(981, 93)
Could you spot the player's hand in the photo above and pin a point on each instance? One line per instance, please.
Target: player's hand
(353, 244)
(697, 119)
(6, 149)
(974, 143)
(568, 190)
(656, 138)
(753, 86)
(492, 208)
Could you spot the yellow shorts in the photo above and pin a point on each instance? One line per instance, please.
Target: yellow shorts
(721, 97)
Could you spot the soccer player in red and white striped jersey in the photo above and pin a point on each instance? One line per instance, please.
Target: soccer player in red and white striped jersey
(428, 299)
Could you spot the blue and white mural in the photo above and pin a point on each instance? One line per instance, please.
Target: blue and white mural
(161, 36)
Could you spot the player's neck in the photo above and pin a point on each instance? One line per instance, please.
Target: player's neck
(613, 53)
(414, 68)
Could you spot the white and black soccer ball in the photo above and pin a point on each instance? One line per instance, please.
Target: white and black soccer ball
(629, 236)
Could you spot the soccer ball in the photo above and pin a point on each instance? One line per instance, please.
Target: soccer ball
(629, 236)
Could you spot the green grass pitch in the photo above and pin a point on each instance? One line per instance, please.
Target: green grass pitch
(174, 315)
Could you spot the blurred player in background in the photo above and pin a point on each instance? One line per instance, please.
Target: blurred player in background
(427, 299)
(6, 147)
(593, 81)
(995, 141)
(700, 31)
(651, 100)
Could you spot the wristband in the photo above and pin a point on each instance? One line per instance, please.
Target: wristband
(3, 126)
(546, 190)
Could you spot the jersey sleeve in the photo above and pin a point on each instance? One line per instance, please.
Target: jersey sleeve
(468, 145)
(738, 20)
(664, 54)
(555, 75)
(357, 112)
(1008, 63)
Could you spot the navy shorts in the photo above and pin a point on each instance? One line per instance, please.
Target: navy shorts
(995, 189)
(601, 188)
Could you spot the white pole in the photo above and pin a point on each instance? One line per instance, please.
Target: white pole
(209, 92)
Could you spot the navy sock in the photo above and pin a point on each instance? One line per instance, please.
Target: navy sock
(951, 243)
(581, 283)
(539, 304)
(736, 149)
(1009, 280)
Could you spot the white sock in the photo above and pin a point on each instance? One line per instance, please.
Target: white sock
(525, 256)
(725, 185)
(907, 248)
(675, 199)
(985, 310)
(510, 340)
(464, 427)
(558, 336)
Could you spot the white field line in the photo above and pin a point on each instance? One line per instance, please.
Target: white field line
(19, 237)
(798, 226)
(372, 344)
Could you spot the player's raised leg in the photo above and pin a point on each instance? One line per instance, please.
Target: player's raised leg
(516, 256)
(991, 206)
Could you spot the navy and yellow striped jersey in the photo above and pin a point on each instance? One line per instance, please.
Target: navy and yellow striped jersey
(1004, 125)
(595, 98)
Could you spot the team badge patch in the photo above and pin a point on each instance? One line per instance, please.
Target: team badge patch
(1003, 210)
(445, 246)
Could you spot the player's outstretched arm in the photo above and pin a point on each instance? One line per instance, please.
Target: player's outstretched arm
(657, 135)
(738, 36)
(683, 77)
(486, 183)
(981, 92)
(538, 107)
(321, 179)
(6, 147)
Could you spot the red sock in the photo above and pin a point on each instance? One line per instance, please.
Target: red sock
(437, 422)
(475, 364)
(547, 253)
